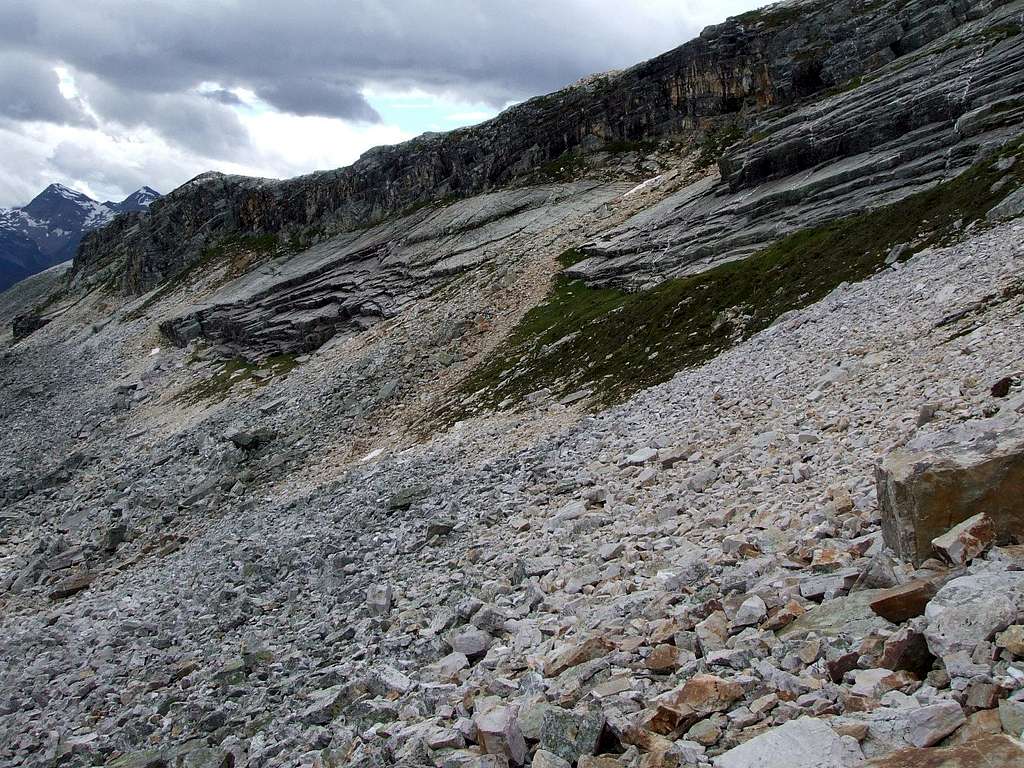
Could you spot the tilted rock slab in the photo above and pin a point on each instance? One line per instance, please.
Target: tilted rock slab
(987, 750)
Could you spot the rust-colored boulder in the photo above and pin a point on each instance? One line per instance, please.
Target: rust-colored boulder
(940, 480)
(965, 541)
(899, 604)
(698, 697)
(1001, 751)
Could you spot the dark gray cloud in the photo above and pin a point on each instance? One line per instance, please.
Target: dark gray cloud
(29, 91)
(223, 96)
(190, 119)
(313, 96)
(306, 52)
(182, 69)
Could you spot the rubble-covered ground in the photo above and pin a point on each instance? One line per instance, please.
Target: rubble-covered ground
(695, 577)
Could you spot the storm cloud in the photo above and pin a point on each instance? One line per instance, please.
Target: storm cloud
(180, 69)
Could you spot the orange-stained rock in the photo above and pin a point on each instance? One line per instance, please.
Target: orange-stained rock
(899, 604)
(984, 752)
(965, 541)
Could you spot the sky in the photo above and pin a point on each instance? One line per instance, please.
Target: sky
(107, 96)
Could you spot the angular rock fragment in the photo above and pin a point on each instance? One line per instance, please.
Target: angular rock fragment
(1011, 717)
(751, 613)
(1012, 639)
(698, 697)
(71, 586)
(571, 735)
(899, 604)
(471, 642)
(325, 705)
(925, 726)
(965, 541)
(378, 599)
(575, 654)
(499, 734)
(942, 479)
(544, 759)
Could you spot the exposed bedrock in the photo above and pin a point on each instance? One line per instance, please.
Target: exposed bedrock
(353, 280)
(914, 122)
(767, 59)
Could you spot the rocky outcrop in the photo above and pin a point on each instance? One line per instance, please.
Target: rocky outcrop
(946, 90)
(944, 478)
(769, 60)
(352, 281)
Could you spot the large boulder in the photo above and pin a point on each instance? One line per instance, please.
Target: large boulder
(891, 728)
(940, 480)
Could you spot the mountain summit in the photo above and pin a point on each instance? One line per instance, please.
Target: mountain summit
(47, 231)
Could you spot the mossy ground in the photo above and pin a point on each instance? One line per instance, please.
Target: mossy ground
(617, 343)
(237, 371)
(716, 141)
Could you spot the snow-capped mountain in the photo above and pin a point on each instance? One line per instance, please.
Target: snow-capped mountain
(47, 231)
(138, 200)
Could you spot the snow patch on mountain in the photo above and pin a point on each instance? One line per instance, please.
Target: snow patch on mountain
(47, 231)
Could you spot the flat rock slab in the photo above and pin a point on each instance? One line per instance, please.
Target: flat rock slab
(805, 743)
(844, 615)
(71, 586)
(899, 604)
(995, 751)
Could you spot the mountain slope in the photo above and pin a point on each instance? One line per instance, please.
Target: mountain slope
(48, 230)
(709, 93)
(551, 442)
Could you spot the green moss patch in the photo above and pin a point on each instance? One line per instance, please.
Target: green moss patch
(237, 371)
(716, 141)
(616, 343)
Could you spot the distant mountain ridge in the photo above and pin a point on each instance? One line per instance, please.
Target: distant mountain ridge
(47, 231)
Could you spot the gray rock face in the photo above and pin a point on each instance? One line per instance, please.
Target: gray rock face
(942, 479)
(912, 726)
(971, 609)
(920, 116)
(940, 90)
(349, 283)
(1011, 207)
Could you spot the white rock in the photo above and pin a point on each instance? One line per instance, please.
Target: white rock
(972, 608)
(805, 743)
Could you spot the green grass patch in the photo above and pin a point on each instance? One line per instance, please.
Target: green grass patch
(621, 147)
(617, 343)
(570, 257)
(237, 371)
(569, 166)
(716, 141)
(772, 18)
